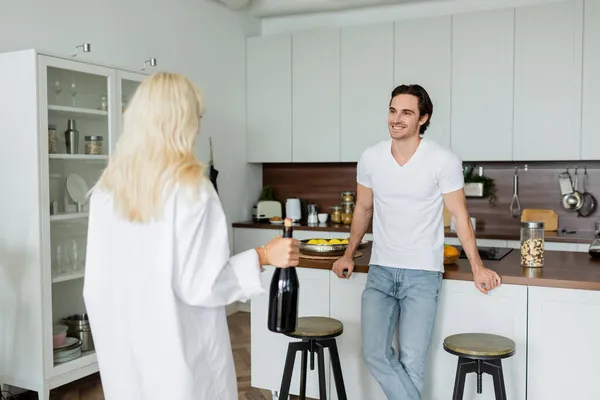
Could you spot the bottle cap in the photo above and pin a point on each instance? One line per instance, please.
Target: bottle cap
(287, 223)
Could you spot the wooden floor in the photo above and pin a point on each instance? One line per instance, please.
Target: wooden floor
(90, 388)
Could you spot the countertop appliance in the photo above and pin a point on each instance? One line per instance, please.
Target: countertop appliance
(266, 209)
(487, 253)
(293, 209)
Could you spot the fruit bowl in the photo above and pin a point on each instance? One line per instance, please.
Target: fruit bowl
(323, 247)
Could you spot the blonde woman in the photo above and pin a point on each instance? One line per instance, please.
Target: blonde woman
(158, 269)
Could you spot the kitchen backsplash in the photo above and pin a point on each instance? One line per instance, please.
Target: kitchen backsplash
(322, 184)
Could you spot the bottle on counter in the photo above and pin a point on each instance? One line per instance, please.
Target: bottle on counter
(283, 294)
(532, 244)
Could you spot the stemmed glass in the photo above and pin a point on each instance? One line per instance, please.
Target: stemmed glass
(57, 90)
(73, 91)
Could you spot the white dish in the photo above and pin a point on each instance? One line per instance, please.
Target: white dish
(276, 222)
(77, 188)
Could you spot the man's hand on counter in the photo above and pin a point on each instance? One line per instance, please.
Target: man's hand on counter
(343, 267)
(485, 279)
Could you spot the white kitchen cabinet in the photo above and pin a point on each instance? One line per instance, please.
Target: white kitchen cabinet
(548, 73)
(590, 139)
(43, 252)
(563, 347)
(269, 99)
(462, 309)
(367, 79)
(482, 85)
(345, 297)
(316, 96)
(269, 350)
(422, 55)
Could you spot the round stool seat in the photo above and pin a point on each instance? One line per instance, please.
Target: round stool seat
(483, 346)
(317, 328)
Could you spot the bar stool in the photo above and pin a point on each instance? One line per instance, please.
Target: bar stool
(479, 353)
(317, 334)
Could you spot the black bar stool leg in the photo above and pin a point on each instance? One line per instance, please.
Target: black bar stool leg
(337, 370)
(303, 374)
(498, 376)
(288, 369)
(463, 367)
(321, 366)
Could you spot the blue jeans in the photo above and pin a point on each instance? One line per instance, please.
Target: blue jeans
(406, 299)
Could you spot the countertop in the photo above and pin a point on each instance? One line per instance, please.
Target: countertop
(562, 269)
(499, 234)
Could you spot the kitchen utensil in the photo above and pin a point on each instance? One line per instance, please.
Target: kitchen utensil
(589, 201)
(548, 217)
(572, 200)
(515, 206)
(312, 214)
(72, 137)
(293, 209)
(264, 210)
(79, 327)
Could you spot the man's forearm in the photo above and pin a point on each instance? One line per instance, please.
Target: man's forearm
(358, 228)
(466, 235)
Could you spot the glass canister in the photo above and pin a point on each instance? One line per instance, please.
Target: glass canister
(532, 244)
(347, 212)
(348, 197)
(52, 139)
(93, 145)
(336, 215)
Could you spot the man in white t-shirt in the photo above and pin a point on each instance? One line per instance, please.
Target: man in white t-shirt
(404, 183)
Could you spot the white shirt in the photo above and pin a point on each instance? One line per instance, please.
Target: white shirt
(156, 295)
(408, 227)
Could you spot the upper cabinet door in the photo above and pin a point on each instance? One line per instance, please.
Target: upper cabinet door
(548, 68)
(367, 82)
(590, 140)
(316, 96)
(482, 85)
(269, 99)
(423, 56)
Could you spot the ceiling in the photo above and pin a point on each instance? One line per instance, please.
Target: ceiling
(272, 8)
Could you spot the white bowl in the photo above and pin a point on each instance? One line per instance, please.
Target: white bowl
(322, 217)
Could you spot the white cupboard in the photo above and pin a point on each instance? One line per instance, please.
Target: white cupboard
(269, 99)
(316, 96)
(367, 80)
(44, 220)
(423, 55)
(563, 349)
(548, 71)
(482, 85)
(590, 139)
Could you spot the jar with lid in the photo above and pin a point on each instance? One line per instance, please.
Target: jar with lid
(93, 145)
(532, 244)
(348, 197)
(52, 139)
(336, 215)
(347, 212)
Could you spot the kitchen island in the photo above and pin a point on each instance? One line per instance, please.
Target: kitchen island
(551, 313)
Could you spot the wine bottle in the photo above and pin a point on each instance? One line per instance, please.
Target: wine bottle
(283, 294)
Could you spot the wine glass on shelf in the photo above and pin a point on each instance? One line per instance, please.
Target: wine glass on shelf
(57, 89)
(73, 91)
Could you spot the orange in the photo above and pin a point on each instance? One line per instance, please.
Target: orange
(450, 251)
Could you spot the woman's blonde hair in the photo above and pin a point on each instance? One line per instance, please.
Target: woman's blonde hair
(155, 151)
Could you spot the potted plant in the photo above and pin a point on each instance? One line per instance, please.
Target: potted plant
(479, 185)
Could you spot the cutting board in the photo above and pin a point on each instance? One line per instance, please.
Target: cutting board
(549, 218)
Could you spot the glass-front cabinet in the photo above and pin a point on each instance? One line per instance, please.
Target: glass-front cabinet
(60, 128)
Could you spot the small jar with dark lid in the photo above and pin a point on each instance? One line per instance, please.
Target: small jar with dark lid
(93, 145)
(532, 244)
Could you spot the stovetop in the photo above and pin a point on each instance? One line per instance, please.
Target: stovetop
(488, 253)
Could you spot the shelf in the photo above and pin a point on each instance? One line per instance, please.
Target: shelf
(87, 358)
(70, 112)
(87, 157)
(68, 277)
(68, 216)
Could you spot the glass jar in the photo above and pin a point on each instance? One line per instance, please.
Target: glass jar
(347, 212)
(348, 197)
(336, 215)
(93, 145)
(52, 140)
(532, 244)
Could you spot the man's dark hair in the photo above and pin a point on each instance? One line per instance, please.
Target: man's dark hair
(424, 101)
